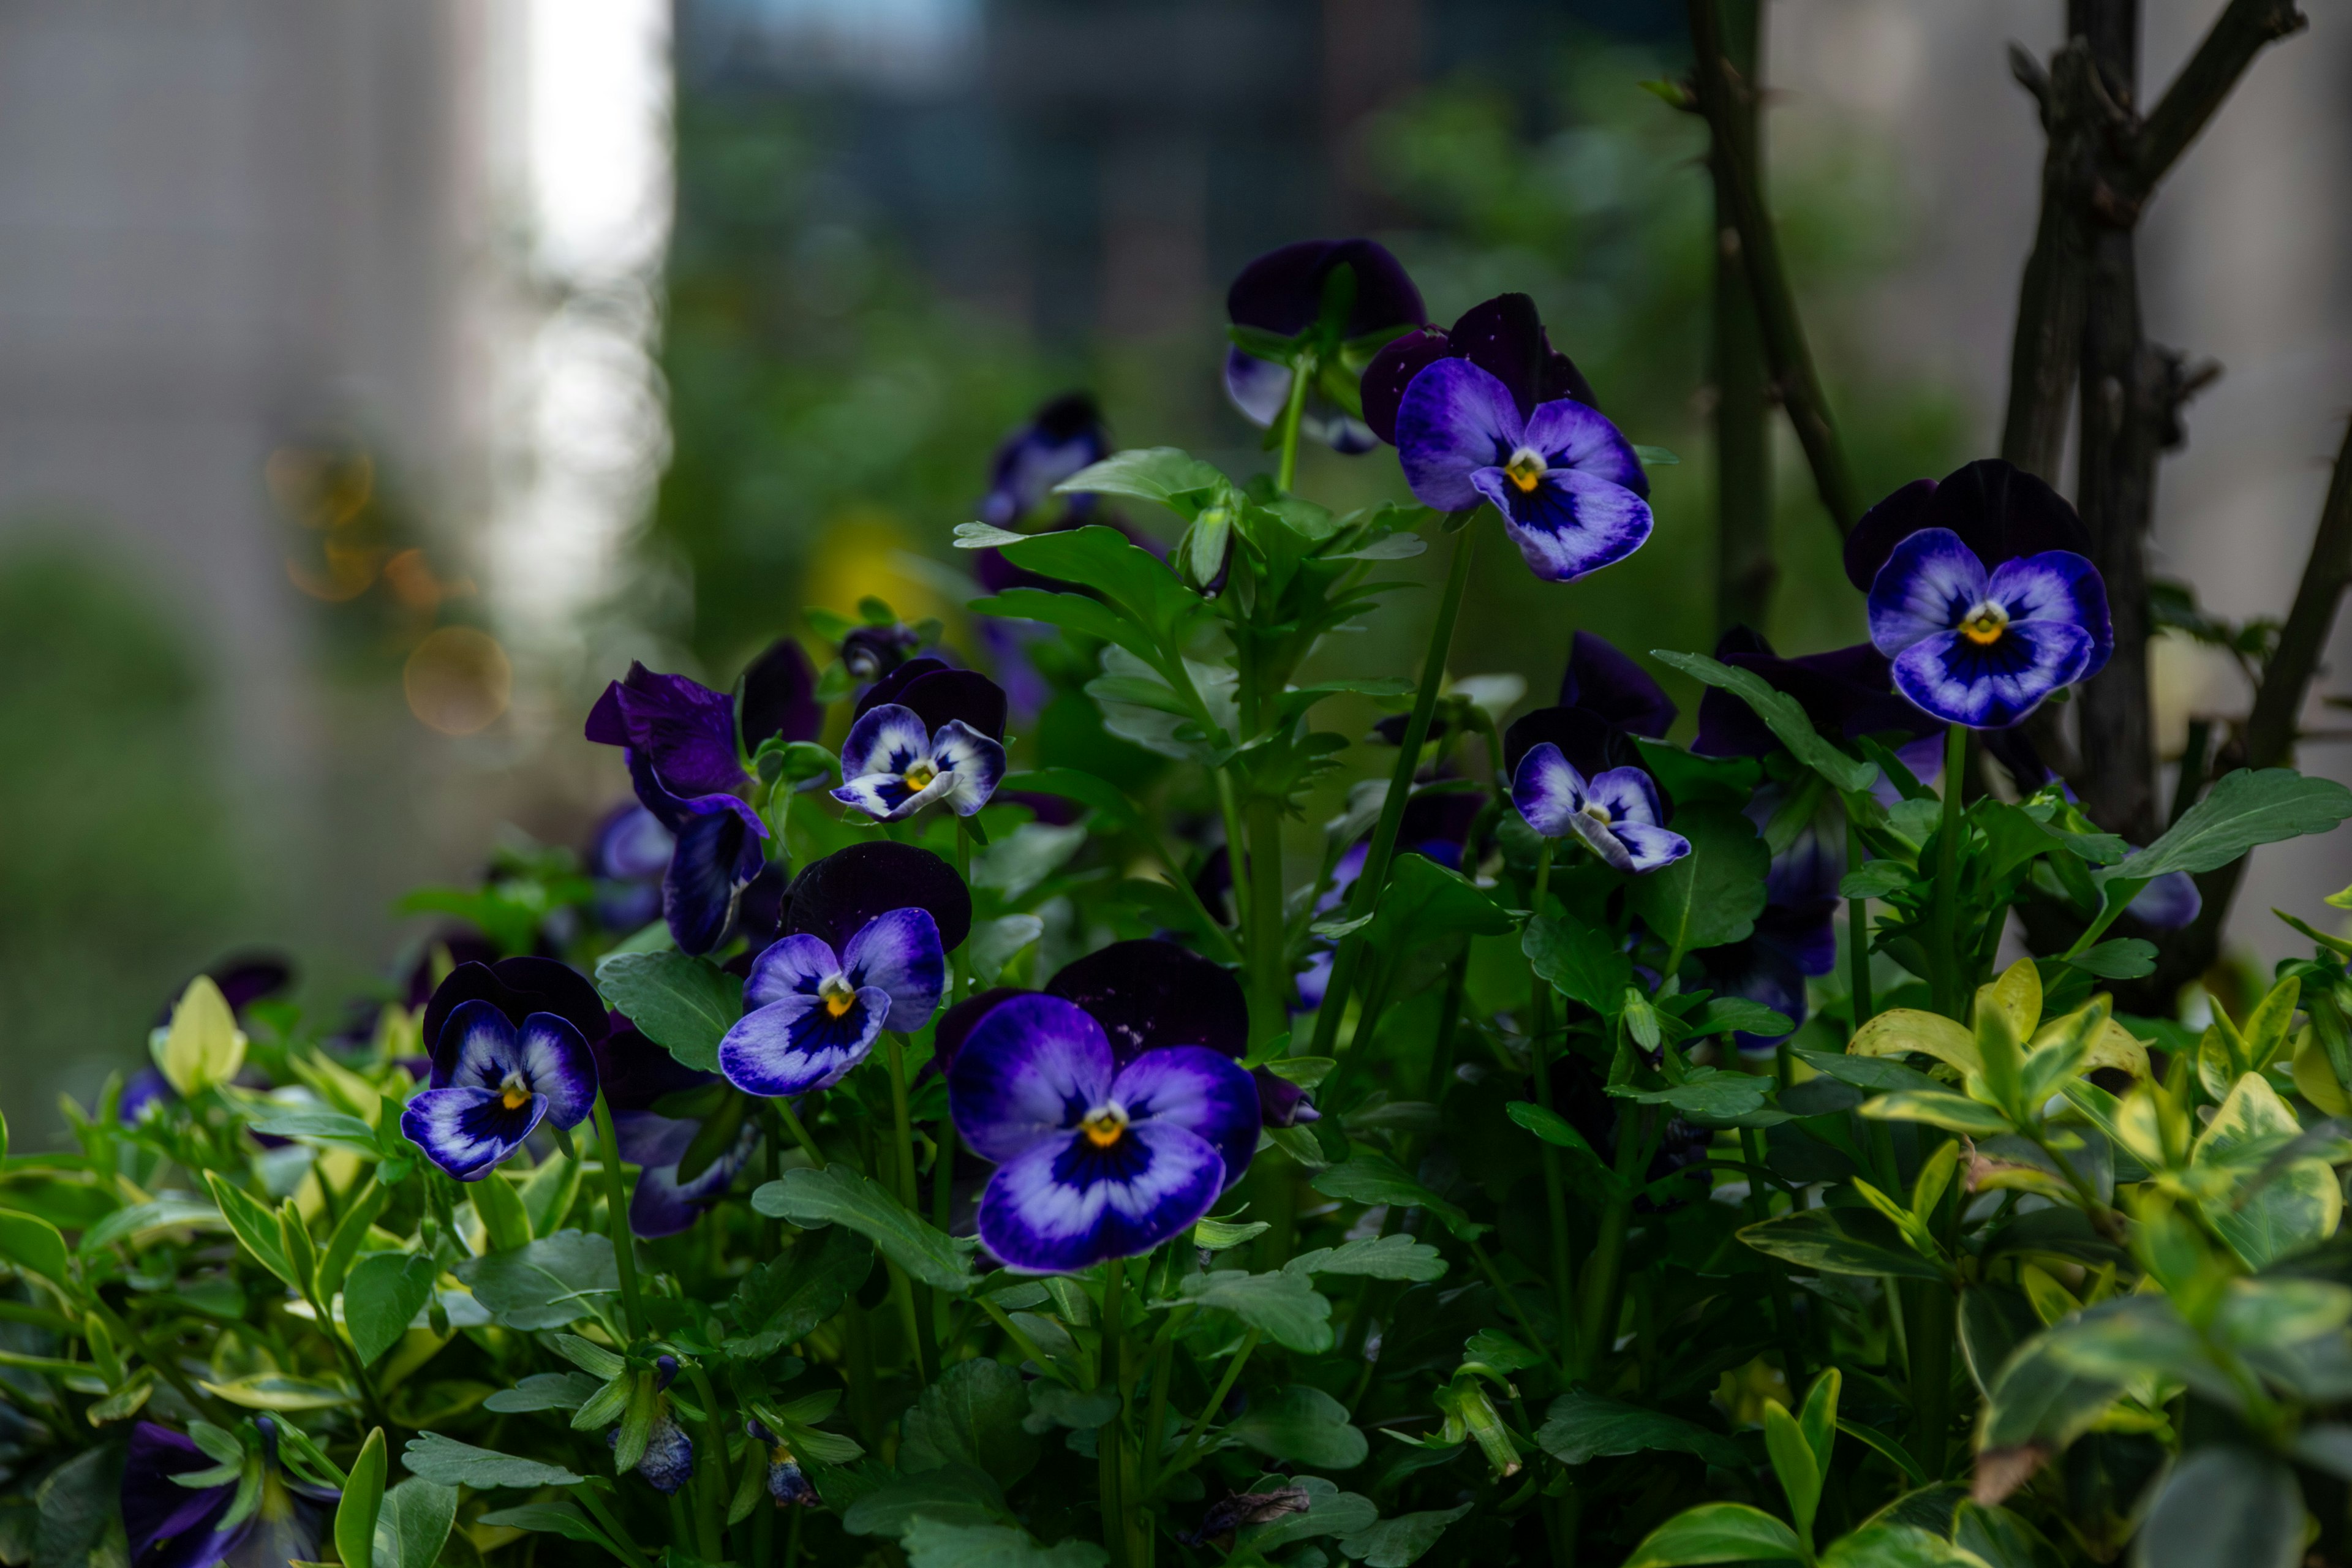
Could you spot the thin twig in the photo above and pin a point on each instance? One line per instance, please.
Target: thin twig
(2242, 31)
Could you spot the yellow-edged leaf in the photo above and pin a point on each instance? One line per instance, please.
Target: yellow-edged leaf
(1901, 1030)
(204, 1046)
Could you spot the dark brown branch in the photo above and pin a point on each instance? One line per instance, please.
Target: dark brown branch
(1720, 92)
(2242, 31)
(2327, 574)
(1745, 569)
(2047, 345)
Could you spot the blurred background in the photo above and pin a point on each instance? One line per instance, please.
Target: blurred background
(379, 377)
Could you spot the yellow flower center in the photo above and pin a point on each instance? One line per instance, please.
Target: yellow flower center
(1984, 624)
(1526, 469)
(920, 775)
(1104, 1126)
(838, 994)
(1598, 812)
(514, 1094)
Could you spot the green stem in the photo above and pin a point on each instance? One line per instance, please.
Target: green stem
(714, 1432)
(1950, 999)
(1932, 1327)
(1594, 1333)
(1269, 977)
(1784, 1316)
(792, 1540)
(903, 1288)
(1021, 1341)
(631, 1553)
(1511, 1300)
(1857, 929)
(902, 1128)
(1187, 1454)
(1111, 1438)
(1294, 410)
(1563, 1274)
(1374, 876)
(799, 1134)
(1155, 1418)
(617, 1203)
(1236, 867)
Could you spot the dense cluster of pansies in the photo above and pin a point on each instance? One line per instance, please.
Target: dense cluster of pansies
(931, 1133)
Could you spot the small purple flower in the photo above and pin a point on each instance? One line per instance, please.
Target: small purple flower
(1280, 1102)
(631, 851)
(1601, 680)
(892, 767)
(499, 1083)
(812, 1016)
(1983, 649)
(786, 1485)
(1328, 296)
(1093, 1162)
(1061, 438)
(1615, 813)
(870, 653)
(1505, 337)
(172, 1526)
(1795, 936)
(667, 1463)
(1571, 490)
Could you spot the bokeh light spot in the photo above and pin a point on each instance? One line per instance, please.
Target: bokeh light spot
(458, 680)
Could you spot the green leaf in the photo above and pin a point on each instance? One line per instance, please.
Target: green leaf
(1737, 1014)
(1072, 612)
(413, 1524)
(1840, 1241)
(1328, 1511)
(2125, 958)
(839, 1195)
(1709, 1095)
(1784, 715)
(1712, 895)
(972, 1416)
(953, 1494)
(554, 1281)
(2243, 810)
(544, 1391)
(33, 1244)
(331, 1128)
(1553, 1129)
(781, 1301)
(1717, 1532)
(280, 1390)
(203, 1045)
(382, 1295)
(72, 1509)
(1875, 1073)
(445, 1460)
(134, 1223)
(1379, 1257)
(1876, 879)
(1887, 1544)
(1368, 1178)
(498, 1203)
(1938, 1108)
(1401, 1541)
(551, 1519)
(255, 1227)
(1793, 1463)
(1136, 581)
(1301, 1425)
(1217, 1234)
(1582, 961)
(1146, 473)
(1424, 904)
(1053, 1404)
(1581, 1426)
(683, 1003)
(2225, 1504)
(1284, 1306)
(932, 1543)
(363, 1500)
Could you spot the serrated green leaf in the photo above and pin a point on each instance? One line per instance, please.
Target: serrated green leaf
(1284, 1306)
(839, 1195)
(1377, 1257)
(1782, 713)
(683, 1003)
(552, 1282)
(382, 1295)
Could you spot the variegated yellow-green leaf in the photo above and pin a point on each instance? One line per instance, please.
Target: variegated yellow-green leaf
(204, 1046)
(2017, 995)
(2296, 1210)
(1953, 1113)
(2268, 1025)
(2314, 1076)
(1902, 1030)
(275, 1391)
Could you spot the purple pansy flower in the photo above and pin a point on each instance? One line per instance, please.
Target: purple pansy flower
(168, 1525)
(1615, 813)
(812, 1016)
(627, 857)
(786, 1485)
(493, 1086)
(1571, 490)
(1061, 438)
(1339, 292)
(1979, 648)
(686, 745)
(892, 766)
(1505, 337)
(637, 1076)
(1796, 934)
(1093, 1162)
(1436, 826)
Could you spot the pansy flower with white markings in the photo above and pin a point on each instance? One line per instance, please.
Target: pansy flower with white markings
(256, 1513)
(1327, 304)
(926, 735)
(1503, 336)
(813, 1014)
(686, 745)
(1983, 648)
(1569, 486)
(1614, 814)
(493, 1082)
(1093, 1160)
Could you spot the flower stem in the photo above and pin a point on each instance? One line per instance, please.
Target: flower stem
(1185, 1456)
(617, 1203)
(1374, 876)
(1294, 410)
(1951, 997)
(903, 1157)
(799, 1134)
(1563, 1279)
(1594, 1333)
(1269, 974)
(631, 1553)
(1857, 929)
(963, 874)
(1110, 1439)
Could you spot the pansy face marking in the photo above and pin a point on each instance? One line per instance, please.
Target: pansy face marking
(1093, 1160)
(1614, 814)
(491, 1089)
(1983, 649)
(1569, 486)
(812, 1016)
(892, 767)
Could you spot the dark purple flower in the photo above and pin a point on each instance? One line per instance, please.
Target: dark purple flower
(1983, 648)
(786, 1485)
(667, 1463)
(810, 1016)
(1571, 490)
(517, 987)
(1061, 438)
(1093, 1162)
(627, 857)
(1280, 1102)
(1847, 692)
(1601, 680)
(1795, 936)
(1326, 296)
(834, 897)
(500, 1082)
(1148, 994)
(1505, 337)
(870, 653)
(168, 1525)
(940, 695)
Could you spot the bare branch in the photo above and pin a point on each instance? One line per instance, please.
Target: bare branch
(2242, 31)
(2327, 574)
